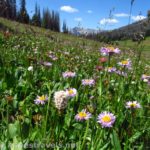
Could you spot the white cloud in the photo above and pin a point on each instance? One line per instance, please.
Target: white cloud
(89, 11)
(121, 15)
(79, 19)
(68, 9)
(108, 21)
(137, 18)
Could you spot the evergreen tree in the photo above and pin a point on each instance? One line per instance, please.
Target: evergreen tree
(23, 15)
(36, 19)
(64, 28)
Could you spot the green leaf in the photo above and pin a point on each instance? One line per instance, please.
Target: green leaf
(13, 129)
(116, 142)
(135, 137)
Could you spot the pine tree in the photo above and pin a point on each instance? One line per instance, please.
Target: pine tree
(64, 28)
(36, 19)
(23, 15)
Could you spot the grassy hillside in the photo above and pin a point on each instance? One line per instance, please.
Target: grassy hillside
(58, 91)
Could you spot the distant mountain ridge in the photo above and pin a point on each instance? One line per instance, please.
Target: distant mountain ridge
(83, 31)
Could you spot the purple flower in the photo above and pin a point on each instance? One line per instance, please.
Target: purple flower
(72, 92)
(145, 78)
(111, 69)
(41, 100)
(89, 82)
(69, 74)
(125, 63)
(121, 73)
(133, 104)
(109, 51)
(83, 115)
(53, 57)
(106, 119)
(47, 64)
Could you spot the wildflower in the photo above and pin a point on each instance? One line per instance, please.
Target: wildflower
(60, 100)
(30, 68)
(109, 51)
(99, 68)
(121, 73)
(53, 57)
(35, 50)
(103, 60)
(106, 119)
(71, 92)
(111, 69)
(69, 74)
(83, 115)
(133, 104)
(145, 78)
(47, 64)
(89, 82)
(125, 63)
(41, 99)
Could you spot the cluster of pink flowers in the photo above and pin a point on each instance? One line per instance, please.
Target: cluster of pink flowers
(69, 74)
(89, 82)
(111, 69)
(106, 119)
(109, 51)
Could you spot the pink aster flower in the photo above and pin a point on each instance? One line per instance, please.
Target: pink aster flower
(133, 104)
(109, 51)
(47, 64)
(111, 69)
(53, 57)
(106, 119)
(89, 82)
(72, 92)
(69, 74)
(125, 63)
(83, 115)
(103, 59)
(121, 73)
(41, 100)
(145, 78)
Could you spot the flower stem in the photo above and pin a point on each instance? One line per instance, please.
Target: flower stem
(85, 134)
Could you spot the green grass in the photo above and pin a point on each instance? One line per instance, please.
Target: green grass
(28, 125)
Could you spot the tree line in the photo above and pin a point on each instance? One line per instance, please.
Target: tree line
(48, 19)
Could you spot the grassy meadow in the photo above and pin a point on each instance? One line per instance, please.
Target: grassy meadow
(59, 91)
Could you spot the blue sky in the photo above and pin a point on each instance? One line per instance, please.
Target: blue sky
(93, 13)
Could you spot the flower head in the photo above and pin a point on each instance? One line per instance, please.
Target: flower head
(109, 50)
(47, 64)
(99, 68)
(60, 100)
(72, 92)
(133, 104)
(145, 78)
(106, 119)
(111, 69)
(125, 63)
(41, 100)
(69, 74)
(103, 59)
(83, 115)
(89, 82)
(30, 68)
(53, 57)
(121, 73)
